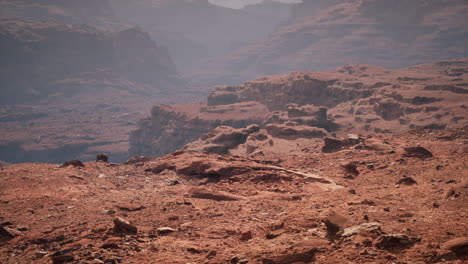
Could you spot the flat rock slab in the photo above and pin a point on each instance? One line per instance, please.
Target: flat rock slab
(205, 193)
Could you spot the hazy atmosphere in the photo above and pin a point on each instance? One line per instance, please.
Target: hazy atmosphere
(234, 131)
(242, 3)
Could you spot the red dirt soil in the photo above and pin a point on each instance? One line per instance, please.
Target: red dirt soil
(273, 207)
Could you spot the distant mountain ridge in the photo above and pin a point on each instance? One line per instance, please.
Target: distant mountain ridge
(322, 35)
(38, 56)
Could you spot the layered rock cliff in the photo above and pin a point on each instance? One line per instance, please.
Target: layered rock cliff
(38, 58)
(353, 99)
(87, 84)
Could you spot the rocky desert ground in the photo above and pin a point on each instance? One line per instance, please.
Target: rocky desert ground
(382, 198)
(337, 132)
(299, 168)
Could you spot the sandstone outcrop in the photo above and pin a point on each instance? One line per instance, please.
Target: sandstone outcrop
(358, 99)
(171, 127)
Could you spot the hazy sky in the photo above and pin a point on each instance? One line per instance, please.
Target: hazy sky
(241, 3)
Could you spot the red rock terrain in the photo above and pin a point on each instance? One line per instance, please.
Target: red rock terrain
(381, 200)
(353, 99)
(362, 164)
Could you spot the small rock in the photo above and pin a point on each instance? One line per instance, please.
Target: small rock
(102, 157)
(60, 259)
(274, 234)
(396, 241)
(194, 250)
(363, 202)
(204, 193)
(122, 226)
(40, 254)
(234, 260)
(406, 181)
(162, 167)
(7, 233)
(111, 243)
(350, 168)
(130, 207)
(451, 193)
(332, 145)
(76, 177)
(74, 163)
(165, 230)
(417, 152)
(334, 224)
(457, 245)
(246, 236)
(211, 254)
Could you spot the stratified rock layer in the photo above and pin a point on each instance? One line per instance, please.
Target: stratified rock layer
(351, 100)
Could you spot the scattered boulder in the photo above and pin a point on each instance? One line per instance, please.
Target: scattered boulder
(457, 245)
(204, 193)
(123, 227)
(365, 228)
(6, 233)
(391, 241)
(417, 152)
(274, 234)
(102, 157)
(130, 207)
(165, 230)
(334, 224)
(406, 181)
(451, 193)
(162, 167)
(363, 202)
(60, 259)
(336, 144)
(351, 168)
(246, 236)
(332, 145)
(112, 243)
(74, 163)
